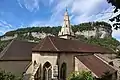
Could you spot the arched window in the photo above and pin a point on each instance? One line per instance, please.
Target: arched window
(66, 25)
(63, 71)
(47, 71)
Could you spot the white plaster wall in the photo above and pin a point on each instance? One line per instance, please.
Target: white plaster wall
(36, 57)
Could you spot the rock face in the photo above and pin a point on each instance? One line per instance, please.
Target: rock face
(41, 35)
(3, 38)
(34, 34)
(97, 32)
(100, 32)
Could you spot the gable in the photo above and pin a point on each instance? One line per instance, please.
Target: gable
(96, 65)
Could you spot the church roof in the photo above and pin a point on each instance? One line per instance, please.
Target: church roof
(96, 65)
(15, 67)
(55, 44)
(16, 57)
(17, 50)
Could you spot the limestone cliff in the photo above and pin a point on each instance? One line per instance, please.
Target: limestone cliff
(88, 30)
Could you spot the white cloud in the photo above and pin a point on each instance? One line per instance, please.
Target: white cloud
(83, 10)
(85, 6)
(93, 10)
(58, 10)
(79, 11)
(20, 3)
(5, 26)
(40, 23)
(31, 5)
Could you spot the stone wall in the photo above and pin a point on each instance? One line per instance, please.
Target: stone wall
(42, 58)
(69, 60)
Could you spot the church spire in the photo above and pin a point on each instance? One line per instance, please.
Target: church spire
(66, 30)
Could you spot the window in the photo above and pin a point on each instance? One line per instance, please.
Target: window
(47, 71)
(34, 63)
(63, 71)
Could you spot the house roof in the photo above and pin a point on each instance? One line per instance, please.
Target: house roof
(55, 44)
(96, 65)
(17, 50)
(15, 67)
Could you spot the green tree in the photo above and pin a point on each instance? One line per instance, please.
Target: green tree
(115, 3)
(81, 75)
(110, 43)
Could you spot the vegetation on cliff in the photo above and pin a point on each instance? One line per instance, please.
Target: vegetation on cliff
(54, 30)
(110, 42)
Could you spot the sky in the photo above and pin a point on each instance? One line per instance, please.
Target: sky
(16, 14)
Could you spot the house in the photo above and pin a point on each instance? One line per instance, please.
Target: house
(55, 57)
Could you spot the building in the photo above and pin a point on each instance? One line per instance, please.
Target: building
(54, 57)
(66, 30)
(16, 57)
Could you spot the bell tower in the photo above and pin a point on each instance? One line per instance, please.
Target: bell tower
(66, 30)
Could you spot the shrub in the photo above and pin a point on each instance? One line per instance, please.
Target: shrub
(81, 75)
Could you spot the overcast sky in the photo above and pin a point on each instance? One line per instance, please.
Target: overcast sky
(16, 14)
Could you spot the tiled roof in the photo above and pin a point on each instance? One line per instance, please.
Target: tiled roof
(15, 67)
(96, 65)
(17, 50)
(55, 44)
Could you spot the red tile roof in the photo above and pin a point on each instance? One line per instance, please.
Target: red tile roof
(96, 65)
(55, 44)
(15, 67)
(17, 50)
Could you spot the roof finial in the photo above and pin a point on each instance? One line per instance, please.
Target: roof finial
(66, 9)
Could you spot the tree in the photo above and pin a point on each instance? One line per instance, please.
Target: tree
(81, 75)
(115, 3)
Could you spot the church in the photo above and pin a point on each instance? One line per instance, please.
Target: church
(54, 58)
